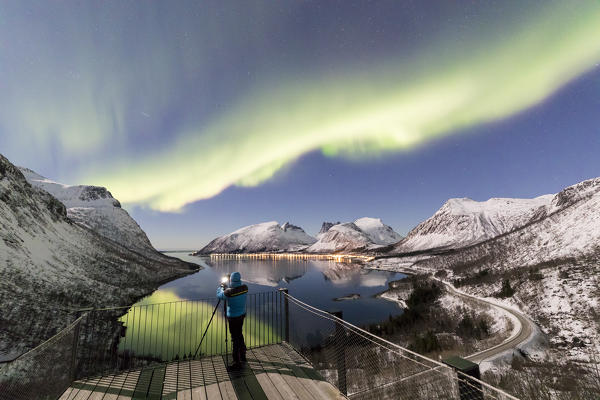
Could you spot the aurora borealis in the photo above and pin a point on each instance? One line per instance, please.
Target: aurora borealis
(169, 104)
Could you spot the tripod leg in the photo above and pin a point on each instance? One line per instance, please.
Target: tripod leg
(207, 326)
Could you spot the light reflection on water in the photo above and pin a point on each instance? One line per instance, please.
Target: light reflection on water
(162, 326)
(165, 328)
(315, 282)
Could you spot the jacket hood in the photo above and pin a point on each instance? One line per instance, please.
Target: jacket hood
(236, 279)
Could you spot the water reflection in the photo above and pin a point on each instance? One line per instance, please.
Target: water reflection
(271, 273)
(316, 282)
(164, 327)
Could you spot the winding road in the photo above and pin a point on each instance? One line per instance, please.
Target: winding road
(525, 328)
(522, 332)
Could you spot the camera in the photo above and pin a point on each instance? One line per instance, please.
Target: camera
(225, 280)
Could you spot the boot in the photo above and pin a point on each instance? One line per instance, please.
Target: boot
(243, 355)
(236, 366)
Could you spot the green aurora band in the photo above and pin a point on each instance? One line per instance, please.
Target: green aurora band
(394, 106)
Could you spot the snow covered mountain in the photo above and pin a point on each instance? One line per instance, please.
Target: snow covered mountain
(95, 208)
(51, 265)
(325, 227)
(263, 237)
(377, 231)
(552, 262)
(462, 222)
(341, 237)
(362, 234)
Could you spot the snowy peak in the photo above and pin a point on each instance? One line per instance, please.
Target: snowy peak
(364, 233)
(266, 236)
(573, 194)
(95, 208)
(341, 237)
(72, 196)
(377, 231)
(326, 226)
(493, 206)
(461, 222)
(287, 226)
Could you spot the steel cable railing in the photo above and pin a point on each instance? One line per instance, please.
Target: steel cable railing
(43, 372)
(107, 341)
(119, 339)
(111, 340)
(365, 366)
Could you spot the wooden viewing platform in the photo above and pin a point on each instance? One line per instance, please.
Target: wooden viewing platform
(273, 372)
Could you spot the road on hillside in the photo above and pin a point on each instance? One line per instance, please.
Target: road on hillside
(523, 331)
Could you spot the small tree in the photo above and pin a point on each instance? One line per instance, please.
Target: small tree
(506, 290)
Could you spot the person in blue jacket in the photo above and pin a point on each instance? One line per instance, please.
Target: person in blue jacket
(235, 295)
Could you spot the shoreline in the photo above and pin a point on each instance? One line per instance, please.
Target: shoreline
(288, 255)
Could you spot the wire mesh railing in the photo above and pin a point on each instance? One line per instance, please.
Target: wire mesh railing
(119, 339)
(108, 341)
(43, 372)
(364, 366)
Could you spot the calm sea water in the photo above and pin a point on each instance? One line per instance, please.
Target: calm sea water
(164, 327)
(318, 283)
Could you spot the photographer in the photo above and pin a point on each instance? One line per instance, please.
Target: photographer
(235, 296)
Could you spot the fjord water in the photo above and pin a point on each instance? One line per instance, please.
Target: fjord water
(155, 324)
(315, 282)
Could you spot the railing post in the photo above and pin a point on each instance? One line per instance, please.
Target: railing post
(468, 389)
(340, 351)
(226, 332)
(74, 348)
(286, 307)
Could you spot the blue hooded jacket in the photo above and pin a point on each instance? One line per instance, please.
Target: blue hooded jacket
(235, 296)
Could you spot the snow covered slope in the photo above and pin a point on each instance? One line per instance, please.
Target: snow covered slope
(362, 234)
(341, 237)
(552, 263)
(263, 237)
(49, 265)
(377, 231)
(462, 222)
(94, 207)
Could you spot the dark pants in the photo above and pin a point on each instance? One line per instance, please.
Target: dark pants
(237, 337)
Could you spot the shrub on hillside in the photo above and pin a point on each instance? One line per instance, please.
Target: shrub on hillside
(506, 290)
(471, 326)
(425, 343)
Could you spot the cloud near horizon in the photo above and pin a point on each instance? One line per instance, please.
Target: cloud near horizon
(395, 105)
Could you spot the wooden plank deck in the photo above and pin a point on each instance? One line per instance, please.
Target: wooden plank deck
(275, 372)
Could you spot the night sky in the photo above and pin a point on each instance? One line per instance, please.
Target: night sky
(205, 116)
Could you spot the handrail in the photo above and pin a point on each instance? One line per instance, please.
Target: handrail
(43, 372)
(397, 349)
(137, 305)
(42, 345)
(101, 341)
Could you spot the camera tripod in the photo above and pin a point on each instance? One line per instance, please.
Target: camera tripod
(208, 326)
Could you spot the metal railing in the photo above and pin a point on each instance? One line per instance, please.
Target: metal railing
(119, 339)
(110, 340)
(44, 372)
(364, 366)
